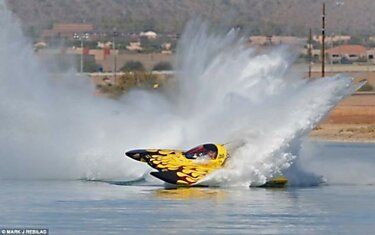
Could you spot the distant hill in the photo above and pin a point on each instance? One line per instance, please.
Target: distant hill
(292, 17)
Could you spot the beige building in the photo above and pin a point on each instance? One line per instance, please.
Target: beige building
(332, 39)
(274, 40)
(350, 53)
(149, 34)
(134, 46)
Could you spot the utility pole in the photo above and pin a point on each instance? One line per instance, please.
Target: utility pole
(81, 65)
(323, 38)
(114, 55)
(309, 51)
(81, 37)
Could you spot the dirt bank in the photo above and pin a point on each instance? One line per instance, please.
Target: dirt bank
(353, 120)
(364, 133)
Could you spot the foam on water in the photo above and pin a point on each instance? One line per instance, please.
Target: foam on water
(54, 127)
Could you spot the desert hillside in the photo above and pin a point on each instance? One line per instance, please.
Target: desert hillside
(257, 16)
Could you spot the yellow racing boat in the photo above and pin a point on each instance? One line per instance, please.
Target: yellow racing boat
(188, 168)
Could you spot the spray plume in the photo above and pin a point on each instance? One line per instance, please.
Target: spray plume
(53, 127)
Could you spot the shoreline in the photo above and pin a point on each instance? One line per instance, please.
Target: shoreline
(342, 140)
(344, 133)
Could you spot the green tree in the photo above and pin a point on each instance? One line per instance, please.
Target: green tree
(90, 66)
(132, 66)
(162, 66)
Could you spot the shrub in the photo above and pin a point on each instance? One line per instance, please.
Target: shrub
(129, 80)
(136, 79)
(162, 66)
(132, 66)
(90, 66)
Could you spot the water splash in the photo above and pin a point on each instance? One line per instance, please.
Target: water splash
(54, 127)
(256, 99)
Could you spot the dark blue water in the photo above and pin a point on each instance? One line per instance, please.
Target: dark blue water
(81, 207)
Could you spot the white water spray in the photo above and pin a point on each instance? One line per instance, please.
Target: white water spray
(254, 99)
(55, 128)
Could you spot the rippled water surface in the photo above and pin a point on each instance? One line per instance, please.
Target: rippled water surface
(81, 207)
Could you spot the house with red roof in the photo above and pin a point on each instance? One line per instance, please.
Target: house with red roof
(347, 53)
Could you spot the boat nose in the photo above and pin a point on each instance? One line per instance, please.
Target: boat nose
(136, 154)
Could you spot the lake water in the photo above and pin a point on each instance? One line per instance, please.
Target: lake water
(82, 207)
